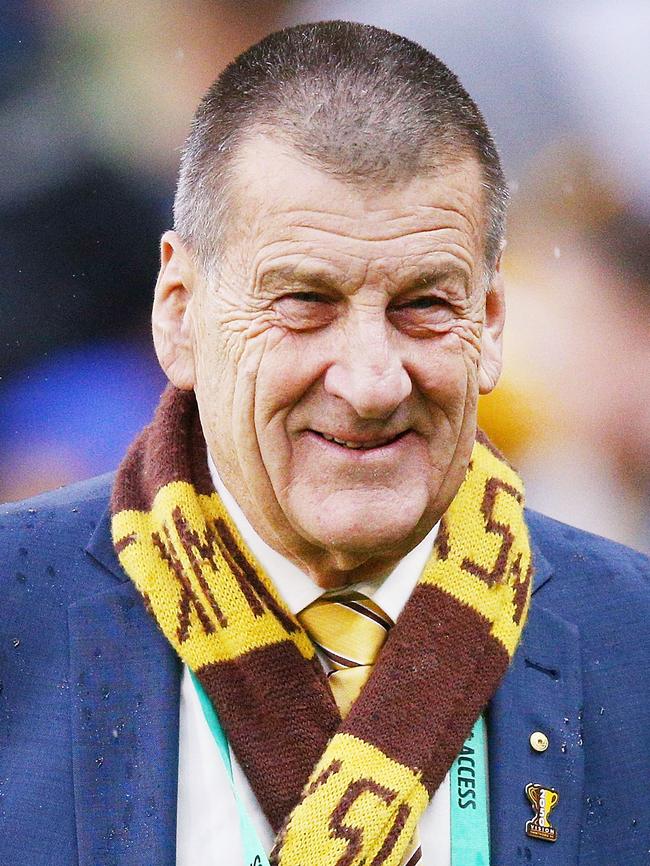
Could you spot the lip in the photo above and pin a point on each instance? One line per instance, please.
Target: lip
(359, 447)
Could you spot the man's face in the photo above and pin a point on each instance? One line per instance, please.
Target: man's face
(336, 361)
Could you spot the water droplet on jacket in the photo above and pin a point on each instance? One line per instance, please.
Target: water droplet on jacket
(15, 642)
(563, 748)
(105, 692)
(601, 711)
(20, 577)
(99, 761)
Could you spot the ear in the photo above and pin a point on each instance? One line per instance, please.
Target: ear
(492, 337)
(171, 316)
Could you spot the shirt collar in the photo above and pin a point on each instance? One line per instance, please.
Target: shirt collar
(390, 592)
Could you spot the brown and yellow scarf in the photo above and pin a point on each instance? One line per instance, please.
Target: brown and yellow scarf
(337, 793)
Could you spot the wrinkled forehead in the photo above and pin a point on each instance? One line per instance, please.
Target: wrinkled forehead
(283, 205)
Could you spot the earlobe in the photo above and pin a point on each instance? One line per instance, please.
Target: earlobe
(491, 360)
(171, 316)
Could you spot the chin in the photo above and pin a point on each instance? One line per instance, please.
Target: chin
(377, 525)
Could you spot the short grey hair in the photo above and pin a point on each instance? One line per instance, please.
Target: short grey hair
(363, 104)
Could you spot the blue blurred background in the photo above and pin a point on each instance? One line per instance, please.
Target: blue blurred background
(95, 102)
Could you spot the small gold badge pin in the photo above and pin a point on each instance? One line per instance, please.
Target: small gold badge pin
(543, 801)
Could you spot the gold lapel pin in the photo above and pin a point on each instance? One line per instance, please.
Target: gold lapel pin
(543, 801)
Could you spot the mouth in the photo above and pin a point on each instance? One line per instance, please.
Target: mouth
(360, 443)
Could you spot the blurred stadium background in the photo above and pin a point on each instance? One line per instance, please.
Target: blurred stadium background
(95, 102)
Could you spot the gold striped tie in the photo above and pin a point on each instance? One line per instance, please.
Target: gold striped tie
(350, 630)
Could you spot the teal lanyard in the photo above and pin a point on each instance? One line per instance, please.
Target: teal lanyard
(254, 853)
(470, 827)
(470, 840)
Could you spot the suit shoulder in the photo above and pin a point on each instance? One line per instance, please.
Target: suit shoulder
(558, 541)
(42, 539)
(590, 573)
(82, 495)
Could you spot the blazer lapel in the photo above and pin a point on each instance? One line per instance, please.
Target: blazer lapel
(542, 692)
(125, 681)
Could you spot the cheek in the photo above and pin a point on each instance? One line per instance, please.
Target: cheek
(289, 365)
(445, 371)
(212, 371)
(468, 332)
(215, 345)
(230, 349)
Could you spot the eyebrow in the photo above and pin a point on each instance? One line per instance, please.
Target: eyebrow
(288, 276)
(430, 277)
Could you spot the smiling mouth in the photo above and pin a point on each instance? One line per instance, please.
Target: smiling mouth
(366, 445)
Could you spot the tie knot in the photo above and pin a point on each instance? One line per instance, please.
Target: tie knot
(349, 628)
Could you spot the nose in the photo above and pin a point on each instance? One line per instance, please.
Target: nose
(368, 372)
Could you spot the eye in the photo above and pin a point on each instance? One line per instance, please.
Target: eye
(424, 302)
(422, 316)
(304, 311)
(306, 297)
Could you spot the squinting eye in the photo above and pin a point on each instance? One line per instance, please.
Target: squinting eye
(310, 297)
(304, 311)
(422, 303)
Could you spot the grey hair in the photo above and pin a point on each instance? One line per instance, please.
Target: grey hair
(363, 104)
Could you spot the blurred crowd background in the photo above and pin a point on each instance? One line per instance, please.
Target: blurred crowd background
(95, 102)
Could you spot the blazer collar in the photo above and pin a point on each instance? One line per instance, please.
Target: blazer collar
(542, 568)
(100, 547)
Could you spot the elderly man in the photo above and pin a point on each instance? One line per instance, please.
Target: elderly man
(303, 627)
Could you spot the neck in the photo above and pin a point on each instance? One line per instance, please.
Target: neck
(333, 569)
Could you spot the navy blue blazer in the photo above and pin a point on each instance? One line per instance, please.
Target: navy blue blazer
(89, 695)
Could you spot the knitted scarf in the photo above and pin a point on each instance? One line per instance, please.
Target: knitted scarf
(336, 793)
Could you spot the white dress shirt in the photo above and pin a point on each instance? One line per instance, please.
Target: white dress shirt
(207, 818)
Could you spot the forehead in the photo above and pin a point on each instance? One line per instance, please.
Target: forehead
(285, 206)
